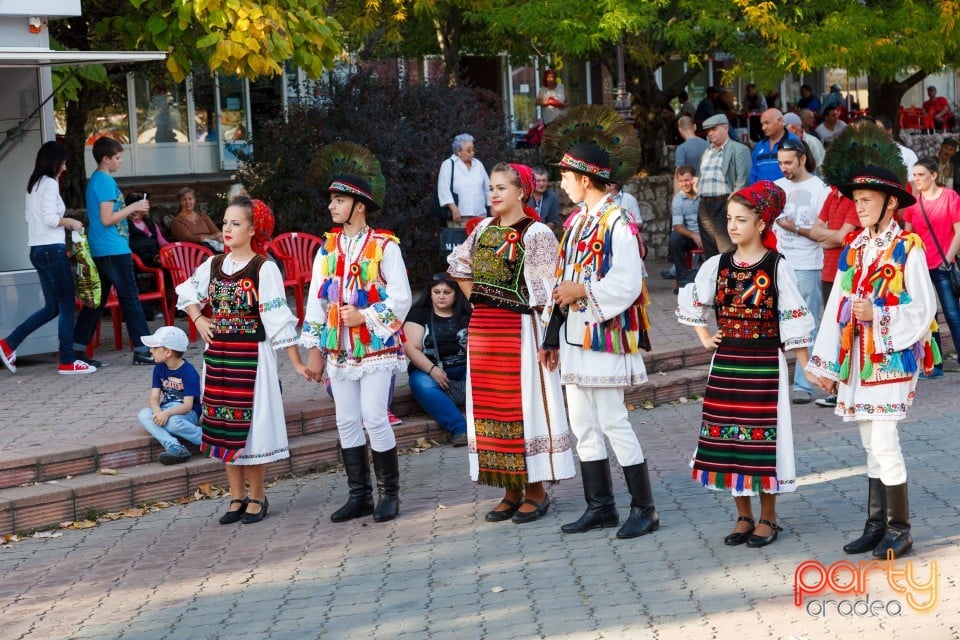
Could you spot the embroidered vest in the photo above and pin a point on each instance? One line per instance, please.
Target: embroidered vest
(498, 267)
(359, 283)
(883, 279)
(746, 301)
(235, 301)
(589, 249)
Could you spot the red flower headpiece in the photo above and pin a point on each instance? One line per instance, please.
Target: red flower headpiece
(767, 199)
(262, 226)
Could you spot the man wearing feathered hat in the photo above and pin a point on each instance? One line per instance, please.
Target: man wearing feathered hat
(597, 320)
(874, 339)
(358, 299)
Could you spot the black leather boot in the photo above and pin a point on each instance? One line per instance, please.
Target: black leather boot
(598, 492)
(873, 531)
(897, 520)
(360, 502)
(386, 466)
(643, 515)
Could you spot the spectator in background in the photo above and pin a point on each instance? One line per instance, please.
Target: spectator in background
(690, 151)
(764, 163)
(626, 201)
(753, 106)
(46, 226)
(831, 126)
(195, 226)
(935, 217)
(544, 201)
(805, 195)
(946, 164)
(724, 168)
(794, 124)
(463, 183)
(685, 234)
(807, 99)
(906, 153)
(809, 121)
(108, 234)
(706, 107)
(551, 97)
(833, 100)
(435, 341)
(687, 108)
(938, 108)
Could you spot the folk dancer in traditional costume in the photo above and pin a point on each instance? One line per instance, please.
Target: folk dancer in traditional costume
(746, 435)
(874, 338)
(597, 321)
(516, 426)
(358, 299)
(242, 419)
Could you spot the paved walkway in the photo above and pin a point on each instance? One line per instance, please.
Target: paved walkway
(441, 571)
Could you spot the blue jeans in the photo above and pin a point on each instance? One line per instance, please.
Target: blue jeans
(948, 302)
(435, 402)
(117, 271)
(56, 282)
(184, 426)
(808, 281)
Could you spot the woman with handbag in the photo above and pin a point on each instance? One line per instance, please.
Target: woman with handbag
(48, 255)
(936, 219)
(436, 346)
(463, 183)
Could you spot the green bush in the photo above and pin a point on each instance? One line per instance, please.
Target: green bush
(409, 128)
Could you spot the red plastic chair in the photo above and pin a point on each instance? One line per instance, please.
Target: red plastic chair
(181, 259)
(116, 314)
(296, 251)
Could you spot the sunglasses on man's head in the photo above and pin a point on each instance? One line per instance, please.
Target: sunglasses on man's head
(793, 145)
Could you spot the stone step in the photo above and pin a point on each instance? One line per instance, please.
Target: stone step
(65, 483)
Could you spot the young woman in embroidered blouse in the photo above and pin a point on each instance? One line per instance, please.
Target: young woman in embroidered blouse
(516, 426)
(243, 422)
(746, 439)
(358, 299)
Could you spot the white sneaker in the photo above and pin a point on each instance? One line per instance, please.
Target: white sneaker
(8, 356)
(78, 366)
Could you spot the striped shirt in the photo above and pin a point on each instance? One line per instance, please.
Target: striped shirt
(712, 181)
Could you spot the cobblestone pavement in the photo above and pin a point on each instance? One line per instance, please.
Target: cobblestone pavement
(441, 571)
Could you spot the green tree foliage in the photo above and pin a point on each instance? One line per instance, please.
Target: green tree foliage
(409, 128)
(247, 38)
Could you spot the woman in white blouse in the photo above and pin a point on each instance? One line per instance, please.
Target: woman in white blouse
(463, 183)
(48, 255)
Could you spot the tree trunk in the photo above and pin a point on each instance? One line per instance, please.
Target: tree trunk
(885, 96)
(449, 31)
(75, 177)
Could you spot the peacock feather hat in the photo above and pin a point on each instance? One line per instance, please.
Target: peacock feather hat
(350, 169)
(595, 141)
(864, 156)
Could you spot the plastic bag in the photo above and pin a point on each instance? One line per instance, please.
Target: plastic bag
(86, 280)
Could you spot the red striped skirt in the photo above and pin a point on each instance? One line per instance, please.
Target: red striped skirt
(737, 448)
(229, 377)
(495, 386)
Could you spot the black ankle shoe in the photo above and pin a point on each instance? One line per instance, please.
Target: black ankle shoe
(739, 537)
(762, 541)
(503, 514)
(250, 518)
(231, 517)
(142, 358)
(640, 522)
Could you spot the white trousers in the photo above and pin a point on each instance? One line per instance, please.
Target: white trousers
(884, 458)
(599, 411)
(362, 404)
